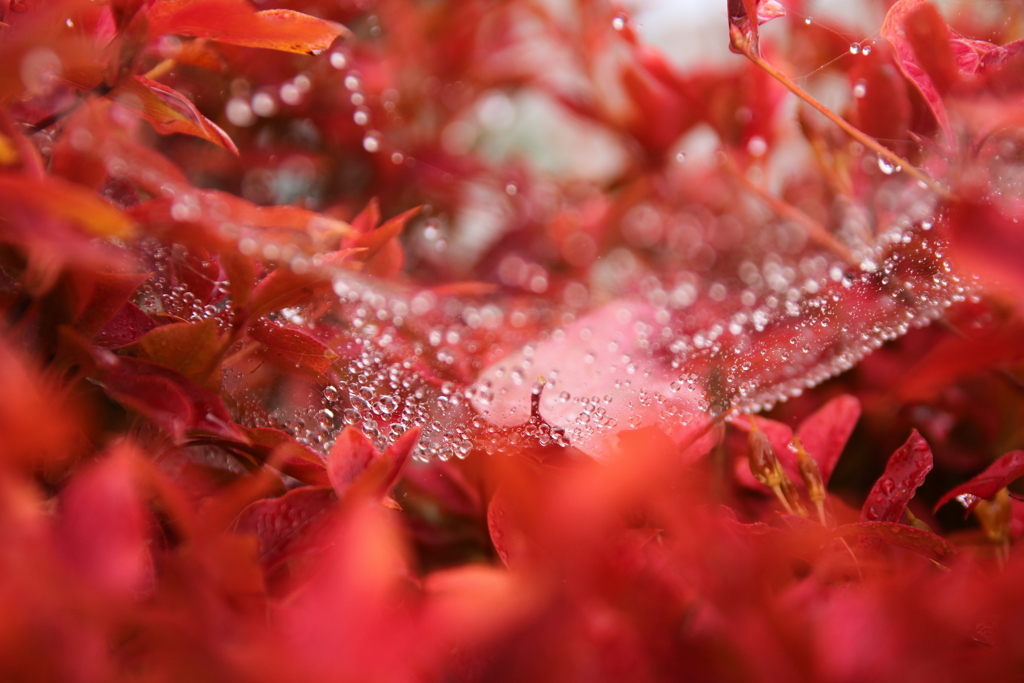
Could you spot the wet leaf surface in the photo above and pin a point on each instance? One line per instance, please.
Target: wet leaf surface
(904, 472)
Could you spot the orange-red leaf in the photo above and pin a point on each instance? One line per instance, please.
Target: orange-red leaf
(106, 294)
(281, 450)
(168, 111)
(64, 200)
(238, 23)
(193, 349)
(293, 344)
(281, 289)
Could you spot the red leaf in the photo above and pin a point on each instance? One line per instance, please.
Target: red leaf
(171, 400)
(383, 253)
(740, 12)
(192, 349)
(955, 357)
(508, 542)
(920, 541)
(904, 472)
(284, 288)
(89, 165)
(920, 38)
(444, 485)
(986, 238)
(351, 454)
(38, 427)
(368, 218)
(824, 433)
(290, 524)
(197, 218)
(986, 485)
(297, 346)
(168, 111)
(124, 11)
(933, 56)
(102, 527)
(241, 273)
(281, 450)
(883, 107)
(63, 200)
(155, 397)
(107, 295)
(126, 327)
(238, 23)
(385, 471)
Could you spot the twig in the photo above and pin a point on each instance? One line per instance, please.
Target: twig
(885, 153)
(815, 230)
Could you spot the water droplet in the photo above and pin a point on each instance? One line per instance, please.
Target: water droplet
(619, 22)
(860, 89)
(239, 113)
(854, 48)
(757, 146)
(808, 21)
(885, 167)
(371, 142)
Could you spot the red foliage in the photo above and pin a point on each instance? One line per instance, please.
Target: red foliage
(421, 341)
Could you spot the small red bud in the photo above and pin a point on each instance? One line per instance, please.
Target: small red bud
(810, 473)
(789, 492)
(761, 455)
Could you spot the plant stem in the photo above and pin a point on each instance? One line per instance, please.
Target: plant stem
(816, 232)
(878, 148)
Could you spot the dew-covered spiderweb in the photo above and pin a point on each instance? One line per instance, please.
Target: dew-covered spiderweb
(687, 297)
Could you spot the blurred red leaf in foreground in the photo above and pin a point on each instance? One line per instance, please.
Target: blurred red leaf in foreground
(471, 341)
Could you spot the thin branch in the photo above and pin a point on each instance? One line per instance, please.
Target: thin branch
(882, 151)
(816, 232)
